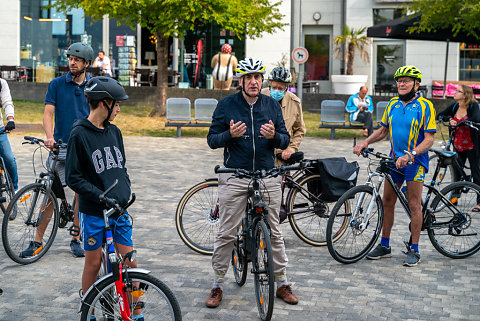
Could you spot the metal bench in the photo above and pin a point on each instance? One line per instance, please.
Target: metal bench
(332, 116)
(179, 113)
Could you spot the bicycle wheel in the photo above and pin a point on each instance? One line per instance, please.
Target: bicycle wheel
(451, 233)
(239, 258)
(18, 234)
(355, 242)
(307, 213)
(146, 293)
(197, 216)
(6, 189)
(263, 271)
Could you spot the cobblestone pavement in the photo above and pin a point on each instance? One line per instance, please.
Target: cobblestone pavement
(161, 170)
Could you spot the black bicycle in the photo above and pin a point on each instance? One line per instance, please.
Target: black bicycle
(197, 214)
(452, 226)
(34, 211)
(253, 239)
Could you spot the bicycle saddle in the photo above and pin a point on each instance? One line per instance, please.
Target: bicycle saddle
(445, 157)
(294, 158)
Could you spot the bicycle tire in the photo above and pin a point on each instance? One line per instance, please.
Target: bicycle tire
(445, 177)
(239, 258)
(6, 188)
(196, 217)
(352, 244)
(159, 302)
(262, 262)
(309, 224)
(19, 232)
(449, 233)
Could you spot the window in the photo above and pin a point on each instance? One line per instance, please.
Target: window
(317, 66)
(469, 62)
(382, 15)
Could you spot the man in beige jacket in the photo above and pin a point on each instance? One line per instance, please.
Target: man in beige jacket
(279, 79)
(223, 64)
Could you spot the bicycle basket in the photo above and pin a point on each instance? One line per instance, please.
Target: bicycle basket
(338, 176)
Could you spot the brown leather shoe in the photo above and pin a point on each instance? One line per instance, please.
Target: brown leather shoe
(285, 292)
(214, 298)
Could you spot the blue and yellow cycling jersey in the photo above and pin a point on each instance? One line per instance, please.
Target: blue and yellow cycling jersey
(408, 124)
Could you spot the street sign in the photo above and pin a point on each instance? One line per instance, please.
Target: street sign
(300, 55)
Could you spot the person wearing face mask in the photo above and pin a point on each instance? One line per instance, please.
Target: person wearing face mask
(410, 121)
(249, 126)
(360, 107)
(279, 78)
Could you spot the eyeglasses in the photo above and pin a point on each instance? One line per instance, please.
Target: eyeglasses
(280, 88)
(75, 59)
(404, 81)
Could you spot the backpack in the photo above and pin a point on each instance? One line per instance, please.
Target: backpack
(338, 176)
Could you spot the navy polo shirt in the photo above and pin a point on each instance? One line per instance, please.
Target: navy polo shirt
(70, 103)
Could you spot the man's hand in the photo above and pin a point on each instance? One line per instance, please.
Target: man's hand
(268, 130)
(286, 154)
(10, 126)
(237, 129)
(49, 142)
(359, 147)
(402, 161)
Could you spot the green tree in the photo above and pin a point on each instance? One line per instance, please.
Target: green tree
(171, 18)
(461, 16)
(354, 39)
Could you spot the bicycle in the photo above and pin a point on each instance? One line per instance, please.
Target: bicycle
(26, 213)
(6, 184)
(456, 171)
(197, 213)
(121, 292)
(253, 239)
(449, 221)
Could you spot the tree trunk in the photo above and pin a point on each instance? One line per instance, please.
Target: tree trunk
(162, 76)
(350, 56)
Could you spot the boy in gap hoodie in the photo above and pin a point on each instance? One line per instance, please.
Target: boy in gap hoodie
(95, 158)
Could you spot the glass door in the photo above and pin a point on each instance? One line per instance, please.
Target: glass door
(318, 42)
(389, 57)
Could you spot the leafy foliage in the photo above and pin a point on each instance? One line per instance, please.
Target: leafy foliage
(461, 16)
(172, 18)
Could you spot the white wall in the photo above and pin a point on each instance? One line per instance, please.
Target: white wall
(10, 32)
(270, 47)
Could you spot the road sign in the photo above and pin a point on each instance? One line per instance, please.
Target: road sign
(300, 55)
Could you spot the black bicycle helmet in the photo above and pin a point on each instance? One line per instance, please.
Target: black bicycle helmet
(81, 50)
(99, 88)
(280, 74)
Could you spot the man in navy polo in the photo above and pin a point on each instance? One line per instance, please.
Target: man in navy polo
(65, 99)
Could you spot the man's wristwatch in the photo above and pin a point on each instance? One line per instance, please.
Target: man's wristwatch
(414, 153)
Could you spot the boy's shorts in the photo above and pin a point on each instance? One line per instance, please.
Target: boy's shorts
(411, 173)
(93, 227)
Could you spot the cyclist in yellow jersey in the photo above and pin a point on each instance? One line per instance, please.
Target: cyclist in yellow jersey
(410, 121)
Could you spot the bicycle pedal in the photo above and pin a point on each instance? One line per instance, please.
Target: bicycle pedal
(74, 230)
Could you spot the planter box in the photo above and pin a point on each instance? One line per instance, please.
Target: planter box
(348, 84)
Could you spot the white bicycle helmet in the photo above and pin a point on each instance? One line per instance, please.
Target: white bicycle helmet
(280, 74)
(249, 66)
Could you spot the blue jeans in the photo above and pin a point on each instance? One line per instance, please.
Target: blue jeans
(8, 158)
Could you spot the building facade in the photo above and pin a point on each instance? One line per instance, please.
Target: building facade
(34, 37)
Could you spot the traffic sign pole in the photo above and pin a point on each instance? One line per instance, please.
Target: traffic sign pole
(300, 56)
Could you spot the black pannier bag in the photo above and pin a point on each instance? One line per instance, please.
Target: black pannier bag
(337, 176)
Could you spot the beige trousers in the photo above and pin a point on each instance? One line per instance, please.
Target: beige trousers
(232, 195)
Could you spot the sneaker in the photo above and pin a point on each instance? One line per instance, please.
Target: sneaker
(214, 298)
(285, 292)
(380, 252)
(33, 249)
(76, 248)
(412, 259)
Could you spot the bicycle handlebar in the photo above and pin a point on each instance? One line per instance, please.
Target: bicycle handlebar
(113, 203)
(445, 122)
(262, 173)
(38, 141)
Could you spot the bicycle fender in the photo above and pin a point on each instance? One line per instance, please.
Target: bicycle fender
(138, 270)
